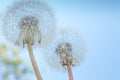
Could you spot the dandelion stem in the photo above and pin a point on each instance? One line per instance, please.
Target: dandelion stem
(34, 64)
(69, 70)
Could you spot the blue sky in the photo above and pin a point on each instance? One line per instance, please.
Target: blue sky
(99, 24)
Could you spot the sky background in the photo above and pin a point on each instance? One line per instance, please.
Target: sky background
(98, 21)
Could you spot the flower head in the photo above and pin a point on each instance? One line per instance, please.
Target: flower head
(65, 46)
(28, 21)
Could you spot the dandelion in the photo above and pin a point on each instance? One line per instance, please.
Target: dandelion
(28, 19)
(66, 51)
(28, 22)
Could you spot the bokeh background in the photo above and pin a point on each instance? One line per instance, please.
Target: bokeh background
(98, 21)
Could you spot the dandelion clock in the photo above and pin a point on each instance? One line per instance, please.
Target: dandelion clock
(28, 19)
(27, 23)
(65, 51)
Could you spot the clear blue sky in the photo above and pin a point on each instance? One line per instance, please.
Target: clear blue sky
(99, 24)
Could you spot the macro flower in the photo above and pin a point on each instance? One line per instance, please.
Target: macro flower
(66, 45)
(28, 20)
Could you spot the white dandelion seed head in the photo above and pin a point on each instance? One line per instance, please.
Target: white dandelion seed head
(31, 19)
(66, 44)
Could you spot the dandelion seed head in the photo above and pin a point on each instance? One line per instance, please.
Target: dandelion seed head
(66, 45)
(31, 19)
